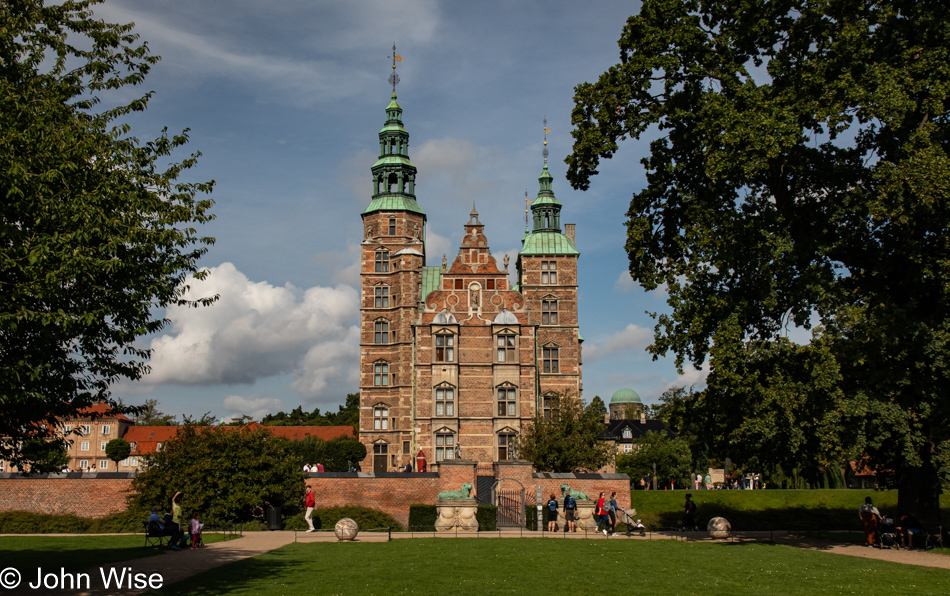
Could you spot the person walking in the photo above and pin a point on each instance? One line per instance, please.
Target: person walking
(870, 517)
(552, 514)
(600, 513)
(689, 513)
(309, 503)
(612, 512)
(570, 510)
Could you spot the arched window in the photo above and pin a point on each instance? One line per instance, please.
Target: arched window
(382, 261)
(381, 417)
(507, 400)
(381, 374)
(445, 400)
(549, 312)
(381, 332)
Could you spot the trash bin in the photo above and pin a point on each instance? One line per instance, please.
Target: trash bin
(272, 515)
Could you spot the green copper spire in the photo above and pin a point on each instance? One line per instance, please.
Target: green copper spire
(394, 175)
(545, 208)
(546, 237)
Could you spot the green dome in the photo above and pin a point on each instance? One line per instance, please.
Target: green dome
(625, 396)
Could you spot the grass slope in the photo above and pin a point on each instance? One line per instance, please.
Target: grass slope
(536, 566)
(821, 509)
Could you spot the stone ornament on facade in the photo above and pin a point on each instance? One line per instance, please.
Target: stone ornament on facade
(719, 527)
(456, 515)
(346, 529)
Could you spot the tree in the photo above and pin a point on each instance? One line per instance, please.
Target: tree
(118, 449)
(44, 456)
(799, 174)
(336, 455)
(671, 456)
(150, 415)
(346, 415)
(570, 440)
(227, 474)
(96, 232)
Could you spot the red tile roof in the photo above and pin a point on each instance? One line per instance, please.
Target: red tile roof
(146, 438)
(299, 433)
(104, 410)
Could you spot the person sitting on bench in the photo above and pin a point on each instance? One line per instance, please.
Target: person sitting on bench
(165, 527)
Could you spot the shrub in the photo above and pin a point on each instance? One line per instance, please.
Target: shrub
(422, 517)
(487, 516)
(326, 518)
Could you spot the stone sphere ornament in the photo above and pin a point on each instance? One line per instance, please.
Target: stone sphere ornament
(346, 529)
(719, 527)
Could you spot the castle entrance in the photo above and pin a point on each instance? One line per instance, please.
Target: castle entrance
(509, 499)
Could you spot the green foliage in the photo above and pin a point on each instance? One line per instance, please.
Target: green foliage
(44, 455)
(325, 519)
(96, 229)
(335, 454)
(150, 415)
(118, 449)
(347, 415)
(22, 522)
(422, 517)
(799, 175)
(671, 456)
(487, 516)
(568, 441)
(228, 475)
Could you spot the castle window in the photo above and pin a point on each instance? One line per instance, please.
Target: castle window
(380, 418)
(444, 446)
(392, 227)
(549, 312)
(506, 347)
(549, 272)
(549, 360)
(445, 401)
(381, 374)
(550, 405)
(444, 348)
(382, 297)
(381, 332)
(506, 401)
(506, 448)
(382, 261)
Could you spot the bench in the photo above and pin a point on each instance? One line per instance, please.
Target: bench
(933, 536)
(154, 535)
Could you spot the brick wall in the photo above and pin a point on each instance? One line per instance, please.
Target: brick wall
(85, 497)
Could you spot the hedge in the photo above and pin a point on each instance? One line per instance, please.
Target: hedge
(326, 518)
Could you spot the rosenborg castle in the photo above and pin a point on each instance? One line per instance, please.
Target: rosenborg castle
(454, 360)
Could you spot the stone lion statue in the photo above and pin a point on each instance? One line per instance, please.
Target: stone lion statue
(578, 495)
(462, 493)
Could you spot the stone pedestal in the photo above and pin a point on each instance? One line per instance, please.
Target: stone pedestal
(585, 516)
(457, 515)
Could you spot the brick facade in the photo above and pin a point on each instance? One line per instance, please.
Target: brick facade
(453, 356)
(84, 497)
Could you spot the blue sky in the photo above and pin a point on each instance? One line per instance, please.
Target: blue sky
(285, 100)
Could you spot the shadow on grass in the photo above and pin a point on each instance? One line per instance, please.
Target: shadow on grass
(232, 577)
(27, 560)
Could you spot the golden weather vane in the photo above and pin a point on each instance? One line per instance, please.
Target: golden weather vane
(546, 131)
(394, 78)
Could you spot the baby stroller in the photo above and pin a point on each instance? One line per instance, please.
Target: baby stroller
(633, 525)
(887, 531)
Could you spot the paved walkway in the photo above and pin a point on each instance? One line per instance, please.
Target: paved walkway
(175, 567)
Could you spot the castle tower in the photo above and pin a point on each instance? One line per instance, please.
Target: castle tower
(547, 277)
(392, 260)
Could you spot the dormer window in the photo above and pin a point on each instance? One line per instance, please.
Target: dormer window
(627, 433)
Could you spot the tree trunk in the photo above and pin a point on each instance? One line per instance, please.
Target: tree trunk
(918, 488)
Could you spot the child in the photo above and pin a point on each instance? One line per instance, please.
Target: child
(196, 527)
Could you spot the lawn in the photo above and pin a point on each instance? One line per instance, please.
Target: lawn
(538, 566)
(822, 509)
(77, 553)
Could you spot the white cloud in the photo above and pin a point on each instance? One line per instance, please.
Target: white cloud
(632, 337)
(255, 408)
(458, 169)
(625, 283)
(344, 266)
(691, 376)
(257, 330)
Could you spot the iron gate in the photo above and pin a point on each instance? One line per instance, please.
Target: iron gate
(484, 482)
(509, 503)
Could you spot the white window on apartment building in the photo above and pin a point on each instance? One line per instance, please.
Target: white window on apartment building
(67, 428)
(84, 446)
(84, 464)
(158, 446)
(103, 464)
(132, 446)
(133, 461)
(86, 429)
(102, 445)
(106, 429)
